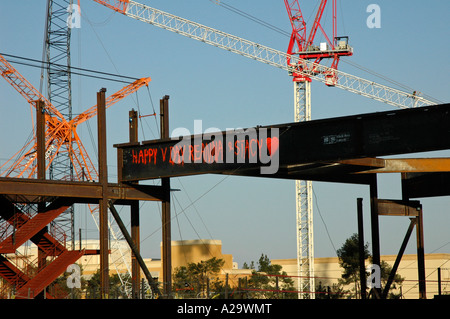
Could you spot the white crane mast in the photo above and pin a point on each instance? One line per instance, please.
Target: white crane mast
(302, 102)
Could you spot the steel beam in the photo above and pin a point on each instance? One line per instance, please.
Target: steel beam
(29, 190)
(402, 165)
(398, 207)
(419, 185)
(329, 141)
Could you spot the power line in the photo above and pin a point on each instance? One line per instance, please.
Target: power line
(45, 64)
(251, 17)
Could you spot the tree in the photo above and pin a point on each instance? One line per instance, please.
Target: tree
(385, 270)
(335, 291)
(115, 287)
(349, 260)
(197, 278)
(268, 281)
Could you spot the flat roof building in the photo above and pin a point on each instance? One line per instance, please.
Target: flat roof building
(327, 269)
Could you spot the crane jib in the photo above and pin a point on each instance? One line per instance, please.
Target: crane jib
(267, 55)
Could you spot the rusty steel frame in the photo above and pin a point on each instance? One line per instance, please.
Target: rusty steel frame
(362, 169)
(130, 193)
(41, 190)
(412, 209)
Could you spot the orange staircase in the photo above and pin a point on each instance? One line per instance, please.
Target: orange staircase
(29, 228)
(13, 275)
(48, 274)
(19, 227)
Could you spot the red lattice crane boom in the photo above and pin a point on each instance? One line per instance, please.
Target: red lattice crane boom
(61, 135)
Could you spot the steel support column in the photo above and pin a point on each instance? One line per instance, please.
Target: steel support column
(375, 230)
(41, 174)
(421, 256)
(166, 222)
(103, 202)
(40, 139)
(362, 268)
(135, 223)
(420, 241)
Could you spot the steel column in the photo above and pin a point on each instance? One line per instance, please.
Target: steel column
(375, 229)
(362, 267)
(135, 223)
(421, 256)
(40, 154)
(420, 241)
(40, 138)
(103, 202)
(166, 222)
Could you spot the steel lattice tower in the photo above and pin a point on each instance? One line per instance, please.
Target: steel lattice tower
(59, 91)
(304, 203)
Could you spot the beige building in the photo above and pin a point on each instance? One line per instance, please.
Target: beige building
(327, 270)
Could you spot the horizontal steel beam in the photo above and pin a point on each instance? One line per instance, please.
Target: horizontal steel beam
(402, 165)
(418, 185)
(360, 138)
(81, 192)
(398, 207)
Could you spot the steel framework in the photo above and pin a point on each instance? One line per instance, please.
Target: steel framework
(300, 62)
(61, 137)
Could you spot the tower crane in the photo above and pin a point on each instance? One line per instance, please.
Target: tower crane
(61, 136)
(302, 62)
(303, 45)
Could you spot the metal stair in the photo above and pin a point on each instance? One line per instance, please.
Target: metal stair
(19, 227)
(29, 229)
(48, 274)
(13, 275)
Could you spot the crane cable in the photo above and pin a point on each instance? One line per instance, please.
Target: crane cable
(251, 17)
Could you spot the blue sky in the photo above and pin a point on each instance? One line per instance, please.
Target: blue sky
(251, 216)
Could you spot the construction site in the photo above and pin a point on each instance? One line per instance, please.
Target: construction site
(99, 171)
